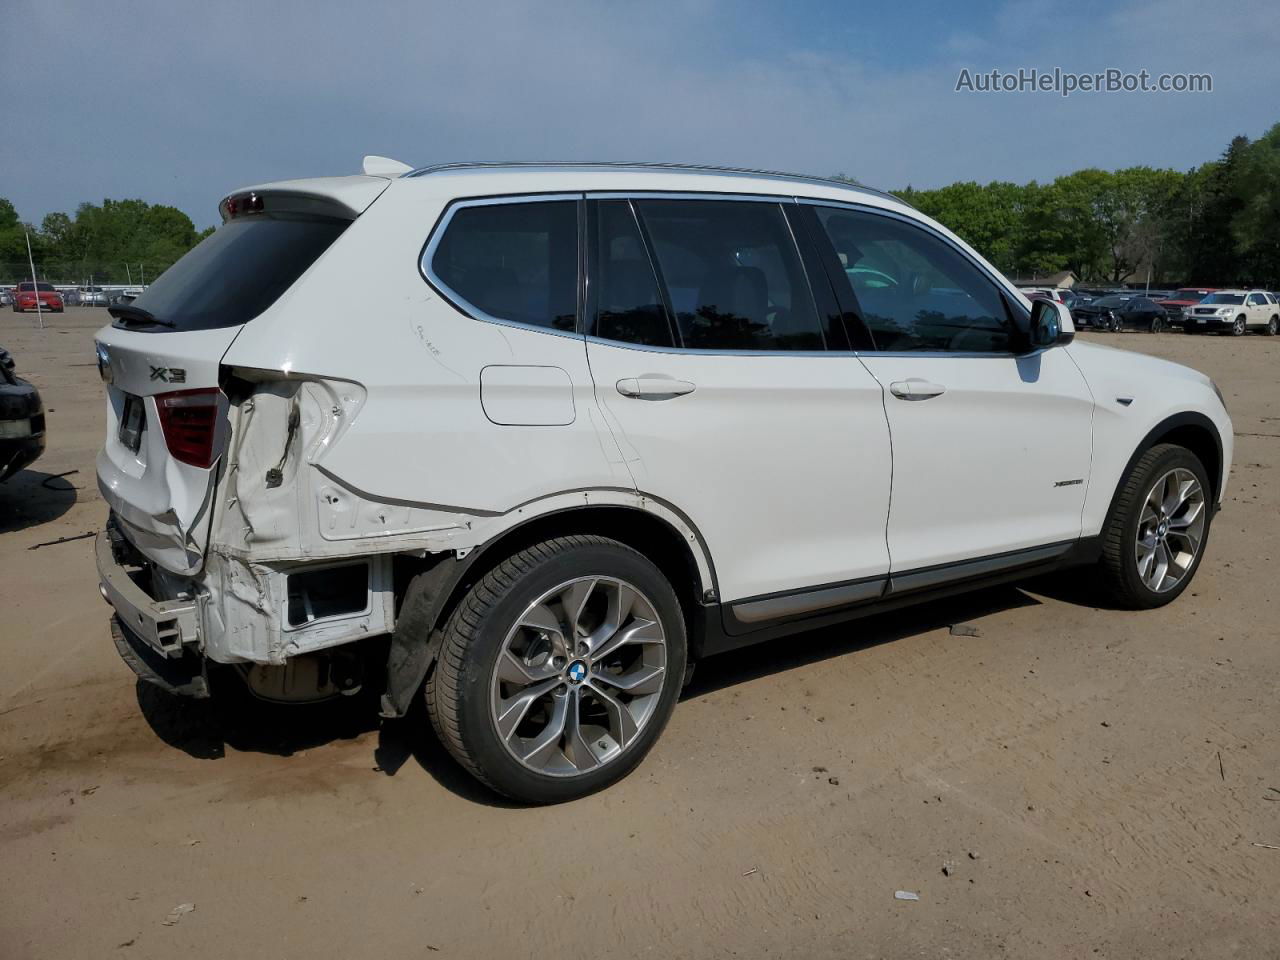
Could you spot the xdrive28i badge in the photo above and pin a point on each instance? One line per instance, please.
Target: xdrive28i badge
(169, 374)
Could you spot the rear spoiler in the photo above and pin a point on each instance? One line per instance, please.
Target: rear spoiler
(342, 197)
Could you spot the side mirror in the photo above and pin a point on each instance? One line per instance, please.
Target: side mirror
(1051, 324)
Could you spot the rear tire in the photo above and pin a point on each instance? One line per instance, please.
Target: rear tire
(1160, 519)
(1157, 325)
(1272, 325)
(542, 703)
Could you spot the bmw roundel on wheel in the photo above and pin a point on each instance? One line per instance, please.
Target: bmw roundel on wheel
(579, 427)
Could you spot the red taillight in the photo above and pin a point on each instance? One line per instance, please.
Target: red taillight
(189, 420)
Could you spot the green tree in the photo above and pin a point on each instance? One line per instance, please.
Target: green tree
(1256, 226)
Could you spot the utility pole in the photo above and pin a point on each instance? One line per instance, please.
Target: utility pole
(35, 284)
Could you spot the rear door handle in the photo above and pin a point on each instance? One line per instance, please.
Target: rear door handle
(916, 389)
(654, 388)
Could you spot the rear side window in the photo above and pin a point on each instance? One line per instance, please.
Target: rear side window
(237, 271)
(732, 274)
(516, 262)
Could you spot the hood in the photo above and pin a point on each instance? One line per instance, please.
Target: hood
(1097, 358)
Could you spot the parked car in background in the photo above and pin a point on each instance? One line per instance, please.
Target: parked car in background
(1074, 298)
(6, 296)
(1141, 313)
(1100, 311)
(535, 499)
(93, 297)
(26, 295)
(1235, 312)
(70, 296)
(21, 420)
(1177, 302)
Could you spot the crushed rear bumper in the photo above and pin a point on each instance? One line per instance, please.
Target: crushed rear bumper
(183, 677)
(166, 626)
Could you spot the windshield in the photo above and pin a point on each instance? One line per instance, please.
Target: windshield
(1194, 295)
(1229, 299)
(44, 287)
(237, 271)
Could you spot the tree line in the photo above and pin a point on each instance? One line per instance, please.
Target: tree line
(1216, 224)
(111, 242)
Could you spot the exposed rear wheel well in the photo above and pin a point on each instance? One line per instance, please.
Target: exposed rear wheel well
(642, 531)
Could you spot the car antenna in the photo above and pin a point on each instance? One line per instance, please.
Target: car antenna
(375, 166)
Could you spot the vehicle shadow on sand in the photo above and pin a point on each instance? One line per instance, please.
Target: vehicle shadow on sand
(233, 719)
(827, 643)
(30, 498)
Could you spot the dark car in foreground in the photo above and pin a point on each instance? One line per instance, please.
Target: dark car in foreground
(21, 420)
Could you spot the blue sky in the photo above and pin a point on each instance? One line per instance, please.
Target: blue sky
(180, 102)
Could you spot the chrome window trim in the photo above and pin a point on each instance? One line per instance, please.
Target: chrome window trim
(1001, 283)
(704, 351)
(688, 195)
(460, 303)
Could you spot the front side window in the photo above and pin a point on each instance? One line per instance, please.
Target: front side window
(516, 262)
(732, 274)
(1255, 300)
(916, 291)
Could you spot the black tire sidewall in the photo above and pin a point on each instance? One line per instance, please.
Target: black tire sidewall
(474, 716)
(1141, 595)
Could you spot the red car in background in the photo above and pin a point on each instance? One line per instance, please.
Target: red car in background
(26, 293)
(1176, 304)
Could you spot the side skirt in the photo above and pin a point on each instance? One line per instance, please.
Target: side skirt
(720, 627)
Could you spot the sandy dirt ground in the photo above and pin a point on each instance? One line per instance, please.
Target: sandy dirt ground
(1096, 783)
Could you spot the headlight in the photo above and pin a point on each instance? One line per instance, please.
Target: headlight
(1224, 311)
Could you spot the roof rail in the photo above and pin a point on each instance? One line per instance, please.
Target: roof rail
(652, 165)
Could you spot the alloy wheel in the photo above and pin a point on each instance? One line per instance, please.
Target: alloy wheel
(1237, 328)
(579, 676)
(1170, 531)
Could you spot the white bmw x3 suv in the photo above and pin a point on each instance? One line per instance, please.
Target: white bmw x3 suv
(538, 438)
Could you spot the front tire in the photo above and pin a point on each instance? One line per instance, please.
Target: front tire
(1158, 528)
(1238, 328)
(559, 669)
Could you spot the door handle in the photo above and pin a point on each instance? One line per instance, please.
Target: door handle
(654, 388)
(916, 389)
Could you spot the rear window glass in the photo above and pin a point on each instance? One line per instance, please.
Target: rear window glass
(237, 271)
(44, 287)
